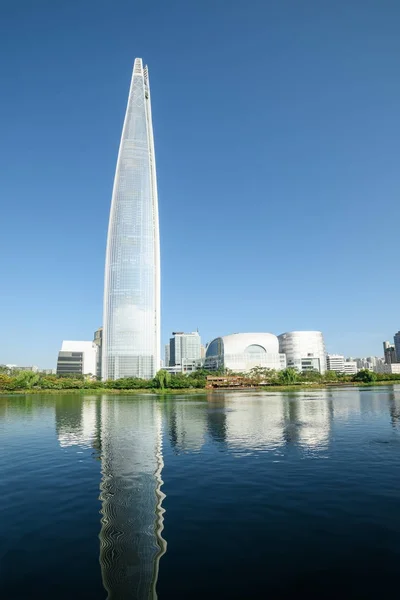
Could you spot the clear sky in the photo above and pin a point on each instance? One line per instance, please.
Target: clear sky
(277, 137)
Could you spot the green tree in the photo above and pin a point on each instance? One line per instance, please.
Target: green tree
(181, 381)
(5, 381)
(26, 380)
(365, 376)
(330, 376)
(311, 375)
(289, 376)
(162, 379)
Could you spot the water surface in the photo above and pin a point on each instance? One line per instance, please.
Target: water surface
(220, 495)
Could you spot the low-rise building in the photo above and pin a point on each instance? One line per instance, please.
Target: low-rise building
(393, 368)
(350, 367)
(335, 362)
(77, 357)
(187, 366)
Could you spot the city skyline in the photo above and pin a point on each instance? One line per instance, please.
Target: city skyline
(131, 322)
(277, 196)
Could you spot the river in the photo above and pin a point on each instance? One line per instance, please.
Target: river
(218, 495)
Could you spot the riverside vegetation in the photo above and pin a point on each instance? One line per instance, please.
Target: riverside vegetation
(13, 380)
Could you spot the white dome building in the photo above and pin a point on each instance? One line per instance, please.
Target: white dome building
(241, 352)
(304, 350)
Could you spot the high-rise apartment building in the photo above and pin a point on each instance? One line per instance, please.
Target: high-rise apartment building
(131, 326)
(184, 348)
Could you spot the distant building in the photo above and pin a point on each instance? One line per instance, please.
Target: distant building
(397, 346)
(335, 362)
(390, 354)
(77, 357)
(370, 362)
(184, 348)
(392, 368)
(98, 340)
(304, 350)
(166, 355)
(186, 367)
(350, 367)
(33, 368)
(240, 352)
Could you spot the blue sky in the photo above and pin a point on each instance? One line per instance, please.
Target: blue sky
(277, 138)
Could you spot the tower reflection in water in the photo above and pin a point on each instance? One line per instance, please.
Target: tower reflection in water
(131, 542)
(127, 436)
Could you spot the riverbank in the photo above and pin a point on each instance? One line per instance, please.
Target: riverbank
(184, 391)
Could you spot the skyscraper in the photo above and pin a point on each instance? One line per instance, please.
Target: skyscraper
(131, 334)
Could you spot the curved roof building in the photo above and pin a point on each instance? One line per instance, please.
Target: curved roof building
(305, 350)
(242, 351)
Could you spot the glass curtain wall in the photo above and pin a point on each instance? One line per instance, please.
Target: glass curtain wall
(131, 335)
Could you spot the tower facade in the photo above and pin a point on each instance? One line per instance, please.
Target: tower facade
(131, 320)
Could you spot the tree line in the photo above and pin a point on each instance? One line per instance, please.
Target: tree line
(14, 380)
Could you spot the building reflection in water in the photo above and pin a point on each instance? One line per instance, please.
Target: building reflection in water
(216, 418)
(128, 436)
(271, 421)
(186, 423)
(256, 421)
(394, 407)
(77, 421)
(131, 542)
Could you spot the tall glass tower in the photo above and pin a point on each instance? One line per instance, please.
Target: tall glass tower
(131, 325)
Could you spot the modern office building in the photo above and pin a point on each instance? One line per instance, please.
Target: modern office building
(240, 352)
(335, 362)
(98, 340)
(77, 357)
(131, 325)
(184, 348)
(304, 350)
